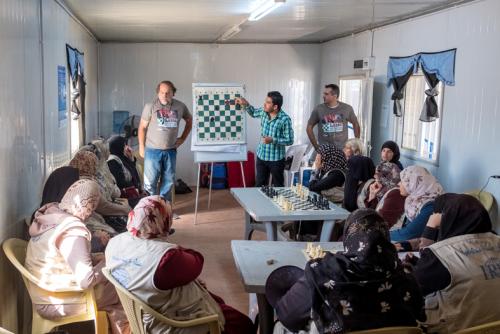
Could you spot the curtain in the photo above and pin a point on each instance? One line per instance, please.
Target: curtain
(399, 84)
(77, 87)
(436, 66)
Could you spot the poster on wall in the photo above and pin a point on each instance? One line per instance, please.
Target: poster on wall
(62, 114)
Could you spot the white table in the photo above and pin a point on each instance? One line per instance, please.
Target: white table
(251, 258)
(261, 208)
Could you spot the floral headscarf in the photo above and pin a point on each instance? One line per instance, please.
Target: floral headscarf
(422, 188)
(81, 199)
(152, 216)
(388, 176)
(332, 158)
(86, 163)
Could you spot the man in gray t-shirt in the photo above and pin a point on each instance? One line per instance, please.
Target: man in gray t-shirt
(158, 141)
(332, 117)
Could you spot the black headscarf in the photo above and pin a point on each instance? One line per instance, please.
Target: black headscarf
(393, 146)
(116, 146)
(359, 169)
(364, 287)
(461, 214)
(332, 158)
(58, 183)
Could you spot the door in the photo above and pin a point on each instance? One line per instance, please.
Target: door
(357, 91)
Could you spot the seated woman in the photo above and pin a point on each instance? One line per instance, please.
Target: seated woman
(390, 153)
(384, 195)
(353, 147)
(459, 274)
(121, 163)
(359, 170)
(59, 255)
(420, 189)
(331, 166)
(364, 287)
(165, 275)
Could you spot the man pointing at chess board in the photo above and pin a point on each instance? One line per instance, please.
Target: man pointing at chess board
(276, 133)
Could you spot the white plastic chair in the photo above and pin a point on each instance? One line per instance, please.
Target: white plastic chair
(297, 152)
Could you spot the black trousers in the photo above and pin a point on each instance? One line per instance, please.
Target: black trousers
(274, 168)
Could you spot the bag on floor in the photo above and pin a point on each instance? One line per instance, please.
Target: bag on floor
(181, 187)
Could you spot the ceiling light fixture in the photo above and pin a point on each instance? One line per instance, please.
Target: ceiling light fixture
(264, 8)
(229, 33)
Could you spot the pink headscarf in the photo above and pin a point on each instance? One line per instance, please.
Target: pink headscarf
(422, 188)
(153, 216)
(81, 199)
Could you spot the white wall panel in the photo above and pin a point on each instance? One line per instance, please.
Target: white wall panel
(129, 74)
(470, 136)
(58, 29)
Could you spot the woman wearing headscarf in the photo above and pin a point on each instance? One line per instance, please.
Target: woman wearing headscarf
(364, 287)
(121, 163)
(390, 153)
(164, 275)
(58, 183)
(359, 170)
(459, 274)
(59, 256)
(102, 228)
(384, 195)
(420, 189)
(331, 167)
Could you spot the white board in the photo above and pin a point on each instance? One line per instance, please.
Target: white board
(219, 125)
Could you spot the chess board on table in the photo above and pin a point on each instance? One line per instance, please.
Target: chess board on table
(311, 202)
(217, 117)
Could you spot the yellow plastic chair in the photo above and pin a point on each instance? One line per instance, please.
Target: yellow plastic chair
(391, 330)
(4, 331)
(484, 197)
(489, 328)
(15, 250)
(134, 309)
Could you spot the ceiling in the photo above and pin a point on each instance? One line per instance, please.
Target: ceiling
(297, 21)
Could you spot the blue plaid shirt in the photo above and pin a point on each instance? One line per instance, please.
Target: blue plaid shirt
(279, 128)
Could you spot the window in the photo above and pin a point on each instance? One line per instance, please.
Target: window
(417, 139)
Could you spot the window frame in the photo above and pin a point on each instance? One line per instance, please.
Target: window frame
(398, 127)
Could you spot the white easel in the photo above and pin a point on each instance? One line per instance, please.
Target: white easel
(211, 157)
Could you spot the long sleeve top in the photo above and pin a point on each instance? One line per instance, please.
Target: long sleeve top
(415, 228)
(178, 267)
(392, 208)
(279, 128)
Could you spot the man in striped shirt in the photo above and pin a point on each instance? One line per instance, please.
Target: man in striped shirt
(276, 133)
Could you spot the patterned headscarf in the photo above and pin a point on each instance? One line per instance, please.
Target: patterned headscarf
(152, 216)
(86, 163)
(422, 188)
(332, 158)
(365, 285)
(388, 176)
(81, 199)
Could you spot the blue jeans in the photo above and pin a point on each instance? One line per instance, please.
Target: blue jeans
(159, 165)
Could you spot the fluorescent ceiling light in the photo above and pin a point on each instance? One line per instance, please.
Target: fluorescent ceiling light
(229, 33)
(264, 8)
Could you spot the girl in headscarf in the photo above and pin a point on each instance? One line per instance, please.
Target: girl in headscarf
(458, 274)
(121, 163)
(59, 256)
(420, 189)
(390, 153)
(359, 170)
(331, 167)
(384, 195)
(166, 275)
(364, 287)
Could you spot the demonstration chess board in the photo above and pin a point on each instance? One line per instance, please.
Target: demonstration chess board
(217, 118)
(311, 202)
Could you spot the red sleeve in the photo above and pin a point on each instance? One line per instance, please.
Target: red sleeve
(178, 267)
(393, 208)
(371, 204)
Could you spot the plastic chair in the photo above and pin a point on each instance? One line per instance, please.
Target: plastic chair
(134, 309)
(297, 152)
(4, 331)
(484, 197)
(391, 330)
(15, 250)
(489, 328)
